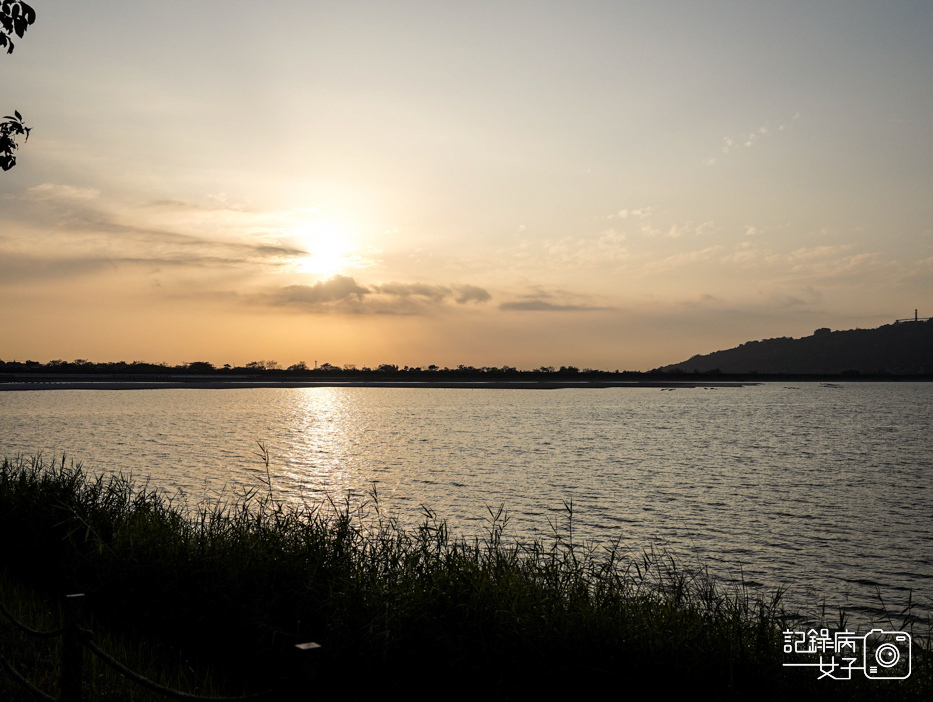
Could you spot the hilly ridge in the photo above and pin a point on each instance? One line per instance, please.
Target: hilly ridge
(902, 348)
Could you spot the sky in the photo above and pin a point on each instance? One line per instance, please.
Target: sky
(612, 185)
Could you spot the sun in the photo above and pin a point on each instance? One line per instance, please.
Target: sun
(328, 246)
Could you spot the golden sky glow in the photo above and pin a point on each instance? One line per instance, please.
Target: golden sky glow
(609, 185)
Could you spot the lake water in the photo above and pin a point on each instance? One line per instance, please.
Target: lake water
(827, 490)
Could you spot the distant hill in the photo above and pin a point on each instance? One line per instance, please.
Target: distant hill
(903, 348)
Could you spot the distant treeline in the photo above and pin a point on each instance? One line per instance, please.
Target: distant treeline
(274, 369)
(121, 371)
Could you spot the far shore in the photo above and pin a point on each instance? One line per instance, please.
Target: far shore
(211, 384)
(465, 378)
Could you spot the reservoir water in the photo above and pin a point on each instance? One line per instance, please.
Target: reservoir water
(824, 489)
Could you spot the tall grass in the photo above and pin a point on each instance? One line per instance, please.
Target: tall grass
(39, 659)
(233, 584)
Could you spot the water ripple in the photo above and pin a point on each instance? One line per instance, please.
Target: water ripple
(825, 490)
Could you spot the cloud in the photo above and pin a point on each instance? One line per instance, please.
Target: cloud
(858, 267)
(344, 294)
(797, 260)
(814, 252)
(745, 254)
(19, 268)
(680, 260)
(339, 288)
(51, 191)
(470, 293)
(678, 230)
(61, 222)
(25, 267)
(701, 301)
(824, 265)
(461, 294)
(802, 297)
(545, 301)
(215, 205)
(729, 143)
(210, 250)
(625, 213)
(432, 293)
(545, 306)
(606, 247)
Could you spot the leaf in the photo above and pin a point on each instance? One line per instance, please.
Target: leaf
(18, 115)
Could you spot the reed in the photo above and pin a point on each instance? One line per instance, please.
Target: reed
(232, 584)
(39, 660)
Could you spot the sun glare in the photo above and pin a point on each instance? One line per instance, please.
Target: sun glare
(328, 246)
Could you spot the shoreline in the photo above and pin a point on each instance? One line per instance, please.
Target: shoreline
(453, 380)
(204, 384)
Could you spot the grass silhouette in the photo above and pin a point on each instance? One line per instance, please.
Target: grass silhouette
(231, 585)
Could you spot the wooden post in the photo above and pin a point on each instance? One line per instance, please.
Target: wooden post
(72, 649)
(306, 658)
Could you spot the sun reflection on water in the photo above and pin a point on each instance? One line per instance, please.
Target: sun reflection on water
(318, 457)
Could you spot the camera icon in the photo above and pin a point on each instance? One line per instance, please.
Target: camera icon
(887, 655)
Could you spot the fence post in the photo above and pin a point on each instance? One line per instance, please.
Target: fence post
(72, 648)
(304, 663)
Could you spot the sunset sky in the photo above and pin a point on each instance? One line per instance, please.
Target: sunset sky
(603, 184)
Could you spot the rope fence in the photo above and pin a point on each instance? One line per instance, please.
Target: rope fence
(32, 632)
(39, 694)
(76, 638)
